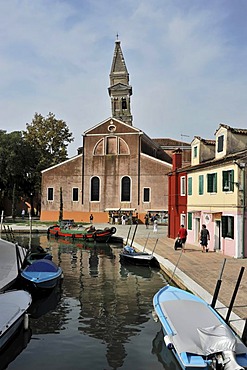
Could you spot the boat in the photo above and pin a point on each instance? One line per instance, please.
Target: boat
(196, 334)
(42, 274)
(89, 234)
(34, 255)
(13, 307)
(130, 256)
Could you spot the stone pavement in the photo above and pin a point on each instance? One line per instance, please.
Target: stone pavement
(196, 271)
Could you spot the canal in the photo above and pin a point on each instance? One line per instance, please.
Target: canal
(100, 318)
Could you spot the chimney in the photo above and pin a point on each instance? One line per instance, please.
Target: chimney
(176, 159)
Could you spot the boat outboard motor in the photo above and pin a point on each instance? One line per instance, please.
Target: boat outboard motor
(229, 361)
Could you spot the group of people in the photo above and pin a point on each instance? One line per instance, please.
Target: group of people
(204, 237)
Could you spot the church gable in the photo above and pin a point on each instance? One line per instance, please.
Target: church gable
(112, 126)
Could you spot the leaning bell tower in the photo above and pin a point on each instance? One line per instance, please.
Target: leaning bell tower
(120, 91)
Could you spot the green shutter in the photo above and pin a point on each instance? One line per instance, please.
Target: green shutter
(215, 182)
(189, 221)
(201, 189)
(232, 180)
(224, 226)
(190, 186)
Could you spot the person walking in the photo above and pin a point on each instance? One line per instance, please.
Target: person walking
(155, 226)
(204, 238)
(123, 218)
(182, 234)
(91, 218)
(146, 221)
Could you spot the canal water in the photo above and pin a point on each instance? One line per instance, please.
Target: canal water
(100, 318)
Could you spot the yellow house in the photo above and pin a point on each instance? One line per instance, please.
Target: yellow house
(216, 186)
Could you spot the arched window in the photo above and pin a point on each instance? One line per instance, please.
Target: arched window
(95, 189)
(125, 189)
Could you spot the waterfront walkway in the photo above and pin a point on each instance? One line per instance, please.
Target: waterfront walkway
(193, 270)
(197, 271)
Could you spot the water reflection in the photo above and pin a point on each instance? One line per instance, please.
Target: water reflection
(164, 355)
(15, 347)
(101, 305)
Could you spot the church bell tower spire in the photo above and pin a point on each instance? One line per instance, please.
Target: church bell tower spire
(120, 91)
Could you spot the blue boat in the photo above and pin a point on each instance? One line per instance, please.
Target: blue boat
(43, 274)
(196, 334)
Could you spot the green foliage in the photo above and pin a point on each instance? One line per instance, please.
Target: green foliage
(23, 155)
(50, 137)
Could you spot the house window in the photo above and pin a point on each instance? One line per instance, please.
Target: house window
(195, 152)
(220, 143)
(212, 183)
(50, 194)
(228, 180)
(182, 186)
(125, 189)
(95, 189)
(146, 195)
(227, 226)
(201, 184)
(189, 220)
(75, 194)
(190, 186)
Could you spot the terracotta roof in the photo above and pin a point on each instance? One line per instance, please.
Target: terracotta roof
(241, 131)
(205, 141)
(170, 142)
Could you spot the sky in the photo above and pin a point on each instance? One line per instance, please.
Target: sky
(187, 62)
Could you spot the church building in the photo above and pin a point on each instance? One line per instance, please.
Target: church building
(119, 170)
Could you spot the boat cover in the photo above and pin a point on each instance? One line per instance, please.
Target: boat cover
(129, 249)
(197, 329)
(42, 266)
(13, 304)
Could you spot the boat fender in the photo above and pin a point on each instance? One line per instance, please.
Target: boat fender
(168, 342)
(26, 321)
(113, 230)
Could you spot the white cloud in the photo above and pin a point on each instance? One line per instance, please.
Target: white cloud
(186, 62)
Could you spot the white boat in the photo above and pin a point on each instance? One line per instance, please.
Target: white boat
(196, 334)
(130, 256)
(13, 308)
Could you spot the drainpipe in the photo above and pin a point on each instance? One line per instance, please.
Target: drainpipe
(243, 231)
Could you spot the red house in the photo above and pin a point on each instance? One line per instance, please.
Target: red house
(177, 198)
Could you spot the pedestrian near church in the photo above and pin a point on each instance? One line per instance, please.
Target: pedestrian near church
(123, 218)
(204, 238)
(91, 218)
(146, 221)
(182, 234)
(155, 226)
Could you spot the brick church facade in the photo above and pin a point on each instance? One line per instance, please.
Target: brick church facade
(119, 169)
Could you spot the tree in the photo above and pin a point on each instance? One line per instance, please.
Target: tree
(17, 162)
(50, 137)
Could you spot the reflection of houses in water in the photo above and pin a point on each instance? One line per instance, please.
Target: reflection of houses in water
(113, 303)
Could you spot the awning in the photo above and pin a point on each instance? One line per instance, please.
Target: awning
(119, 209)
(111, 209)
(128, 209)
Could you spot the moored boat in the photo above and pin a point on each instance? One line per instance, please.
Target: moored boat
(196, 334)
(90, 234)
(34, 255)
(42, 274)
(130, 256)
(13, 307)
